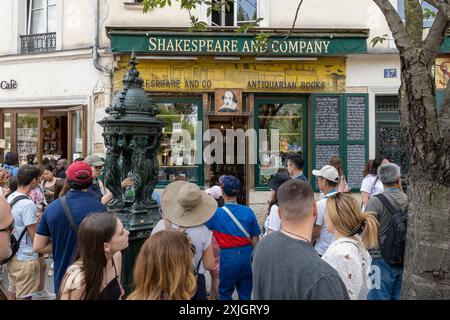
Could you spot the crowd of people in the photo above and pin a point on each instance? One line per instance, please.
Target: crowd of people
(332, 247)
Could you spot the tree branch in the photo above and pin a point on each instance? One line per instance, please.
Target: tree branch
(402, 40)
(295, 21)
(414, 21)
(435, 36)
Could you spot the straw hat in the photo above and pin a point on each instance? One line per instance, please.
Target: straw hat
(184, 204)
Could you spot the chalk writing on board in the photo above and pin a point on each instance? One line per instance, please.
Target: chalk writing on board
(356, 114)
(323, 154)
(356, 159)
(326, 118)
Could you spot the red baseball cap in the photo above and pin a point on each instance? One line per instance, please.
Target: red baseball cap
(80, 172)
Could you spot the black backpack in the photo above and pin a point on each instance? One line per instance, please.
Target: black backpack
(393, 248)
(15, 243)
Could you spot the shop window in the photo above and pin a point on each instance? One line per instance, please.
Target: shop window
(77, 133)
(27, 137)
(234, 13)
(6, 141)
(177, 158)
(289, 118)
(41, 30)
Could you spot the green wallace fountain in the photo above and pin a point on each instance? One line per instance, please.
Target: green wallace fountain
(132, 136)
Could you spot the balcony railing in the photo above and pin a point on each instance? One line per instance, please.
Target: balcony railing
(35, 43)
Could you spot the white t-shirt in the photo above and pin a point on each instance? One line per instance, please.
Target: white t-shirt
(352, 261)
(200, 237)
(372, 185)
(273, 221)
(326, 237)
(24, 213)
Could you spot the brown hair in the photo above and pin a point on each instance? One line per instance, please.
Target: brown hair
(163, 269)
(368, 167)
(93, 232)
(295, 199)
(345, 213)
(336, 162)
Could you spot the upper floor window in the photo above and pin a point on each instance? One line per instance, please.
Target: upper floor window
(41, 16)
(427, 23)
(237, 13)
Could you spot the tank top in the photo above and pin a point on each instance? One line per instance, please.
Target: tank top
(113, 290)
(49, 198)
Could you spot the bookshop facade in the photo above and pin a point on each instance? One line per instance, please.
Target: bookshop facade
(228, 81)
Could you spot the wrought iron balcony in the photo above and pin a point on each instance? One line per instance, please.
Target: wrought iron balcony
(34, 43)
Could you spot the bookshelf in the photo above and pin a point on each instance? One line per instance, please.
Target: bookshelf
(52, 137)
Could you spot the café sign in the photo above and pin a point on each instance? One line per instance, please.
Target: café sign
(236, 44)
(6, 85)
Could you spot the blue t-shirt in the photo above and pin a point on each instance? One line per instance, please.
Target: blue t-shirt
(11, 169)
(55, 225)
(301, 177)
(227, 233)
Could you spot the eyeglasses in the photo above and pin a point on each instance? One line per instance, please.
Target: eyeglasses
(9, 228)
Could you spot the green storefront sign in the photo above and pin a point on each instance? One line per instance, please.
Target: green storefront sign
(235, 44)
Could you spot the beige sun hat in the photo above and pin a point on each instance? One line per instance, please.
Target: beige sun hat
(184, 204)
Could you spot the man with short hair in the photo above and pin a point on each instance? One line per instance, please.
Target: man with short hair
(390, 276)
(55, 227)
(23, 268)
(285, 265)
(295, 165)
(61, 167)
(327, 181)
(237, 232)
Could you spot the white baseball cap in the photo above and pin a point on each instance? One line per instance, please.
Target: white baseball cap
(328, 172)
(215, 192)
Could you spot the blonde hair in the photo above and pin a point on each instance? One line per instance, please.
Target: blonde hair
(163, 269)
(345, 213)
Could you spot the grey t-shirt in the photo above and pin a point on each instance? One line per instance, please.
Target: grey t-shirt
(397, 199)
(288, 269)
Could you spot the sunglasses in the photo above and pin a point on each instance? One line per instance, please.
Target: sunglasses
(9, 228)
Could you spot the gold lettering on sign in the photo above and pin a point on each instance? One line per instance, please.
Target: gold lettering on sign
(309, 48)
(234, 44)
(194, 44)
(293, 46)
(218, 47)
(209, 47)
(226, 46)
(326, 44)
(202, 44)
(152, 44)
(186, 45)
(169, 46)
(161, 44)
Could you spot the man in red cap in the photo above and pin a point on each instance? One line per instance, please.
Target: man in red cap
(57, 230)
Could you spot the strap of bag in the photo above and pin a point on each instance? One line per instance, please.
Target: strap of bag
(17, 199)
(237, 222)
(68, 213)
(374, 184)
(384, 200)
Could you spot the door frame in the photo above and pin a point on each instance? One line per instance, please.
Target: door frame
(70, 115)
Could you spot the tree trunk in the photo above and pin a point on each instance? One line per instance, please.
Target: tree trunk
(426, 273)
(427, 257)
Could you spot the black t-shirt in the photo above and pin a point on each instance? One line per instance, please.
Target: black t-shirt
(288, 269)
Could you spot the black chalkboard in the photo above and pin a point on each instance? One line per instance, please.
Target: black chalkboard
(323, 154)
(356, 160)
(356, 115)
(326, 118)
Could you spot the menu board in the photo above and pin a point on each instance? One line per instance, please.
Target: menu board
(323, 154)
(356, 115)
(356, 160)
(326, 118)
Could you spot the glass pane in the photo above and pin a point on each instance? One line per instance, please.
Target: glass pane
(7, 132)
(51, 19)
(27, 137)
(37, 22)
(175, 158)
(288, 119)
(38, 4)
(77, 134)
(246, 10)
(51, 2)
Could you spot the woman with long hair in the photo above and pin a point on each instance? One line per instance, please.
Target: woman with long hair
(163, 269)
(354, 233)
(95, 275)
(336, 162)
(371, 184)
(48, 184)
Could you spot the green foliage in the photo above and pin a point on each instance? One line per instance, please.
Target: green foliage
(428, 14)
(378, 39)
